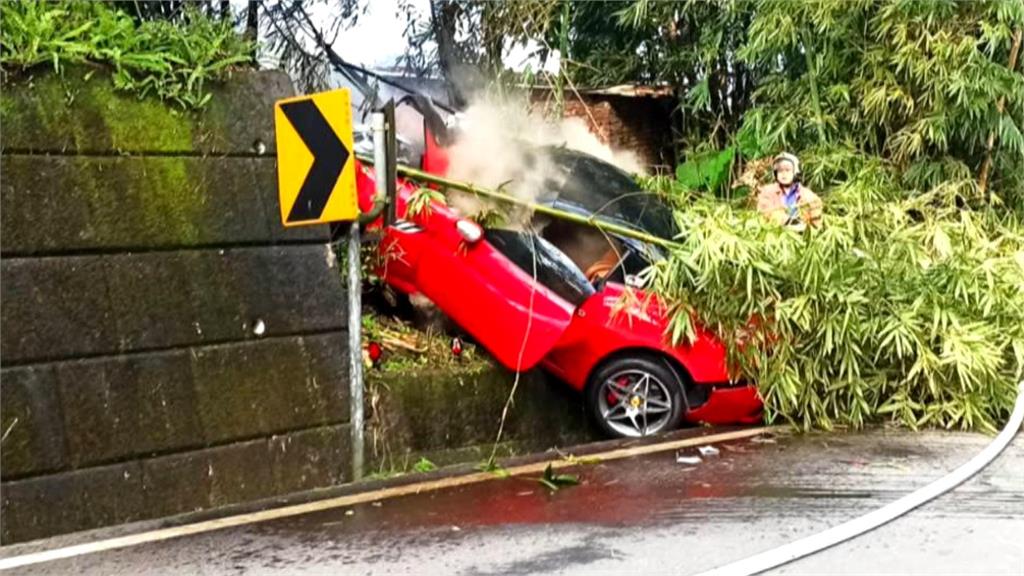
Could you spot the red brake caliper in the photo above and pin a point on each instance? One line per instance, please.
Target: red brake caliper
(613, 396)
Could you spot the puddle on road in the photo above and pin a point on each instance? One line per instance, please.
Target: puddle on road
(646, 490)
(795, 476)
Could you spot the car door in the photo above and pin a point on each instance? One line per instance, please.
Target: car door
(507, 310)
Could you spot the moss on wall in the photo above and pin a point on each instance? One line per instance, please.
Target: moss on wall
(79, 110)
(452, 413)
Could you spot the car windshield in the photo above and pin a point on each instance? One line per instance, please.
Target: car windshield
(554, 269)
(593, 186)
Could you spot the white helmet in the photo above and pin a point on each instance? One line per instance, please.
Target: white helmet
(787, 157)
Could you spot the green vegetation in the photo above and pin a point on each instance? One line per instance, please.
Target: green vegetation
(171, 60)
(421, 200)
(908, 304)
(707, 171)
(492, 466)
(424, 465)
(906, 308)
(405, 348)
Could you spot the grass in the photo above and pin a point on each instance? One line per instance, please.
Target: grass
(172, 61)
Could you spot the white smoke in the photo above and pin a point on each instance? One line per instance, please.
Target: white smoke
(498, 146)
(575, 134)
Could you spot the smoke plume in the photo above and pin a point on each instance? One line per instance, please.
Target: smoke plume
(499, 145)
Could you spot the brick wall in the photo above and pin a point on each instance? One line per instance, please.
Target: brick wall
(639, 124)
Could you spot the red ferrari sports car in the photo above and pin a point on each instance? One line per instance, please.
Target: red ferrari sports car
(525, 297)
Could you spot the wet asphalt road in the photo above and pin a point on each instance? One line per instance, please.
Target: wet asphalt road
(649, 515)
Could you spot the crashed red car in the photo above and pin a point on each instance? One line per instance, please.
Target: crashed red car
(525, 298)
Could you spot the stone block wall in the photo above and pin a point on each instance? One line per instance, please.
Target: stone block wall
(165, 345)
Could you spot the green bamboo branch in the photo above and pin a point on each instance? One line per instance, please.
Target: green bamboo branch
(592, 221)
(812, 73)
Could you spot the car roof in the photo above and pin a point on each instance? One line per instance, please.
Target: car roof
(589, 186)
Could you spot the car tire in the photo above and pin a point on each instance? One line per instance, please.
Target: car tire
(635, 396)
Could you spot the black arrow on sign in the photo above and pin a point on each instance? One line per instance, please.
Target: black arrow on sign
(329, 157)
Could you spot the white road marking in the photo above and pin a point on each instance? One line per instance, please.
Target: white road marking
(361, 498)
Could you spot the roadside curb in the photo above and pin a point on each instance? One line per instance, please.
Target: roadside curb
(444, 479)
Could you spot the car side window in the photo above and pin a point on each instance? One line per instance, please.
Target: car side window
(554, 269)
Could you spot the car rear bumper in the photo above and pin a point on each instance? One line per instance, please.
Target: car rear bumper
(729, 405)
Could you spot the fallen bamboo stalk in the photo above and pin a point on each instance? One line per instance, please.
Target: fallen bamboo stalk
(592, 221)
(399, 343)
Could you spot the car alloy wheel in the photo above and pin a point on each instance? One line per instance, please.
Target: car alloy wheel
(635, 397)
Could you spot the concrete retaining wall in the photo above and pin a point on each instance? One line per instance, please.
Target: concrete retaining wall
(166, 346)
(451, 414)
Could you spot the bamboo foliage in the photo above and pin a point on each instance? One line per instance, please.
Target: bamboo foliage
(916, 83)
(907, 309)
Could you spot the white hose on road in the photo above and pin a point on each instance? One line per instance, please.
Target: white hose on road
(806, 546)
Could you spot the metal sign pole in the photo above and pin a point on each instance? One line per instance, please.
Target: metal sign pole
(355, 346)
(390, 162)
(355, 307)
(380, 153)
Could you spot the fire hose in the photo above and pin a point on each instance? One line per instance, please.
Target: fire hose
(812, 544)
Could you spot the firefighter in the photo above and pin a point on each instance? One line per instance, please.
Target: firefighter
(787, 201)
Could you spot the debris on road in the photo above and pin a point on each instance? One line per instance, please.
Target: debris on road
(688, 459)
(554, 482)
(708, 451)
